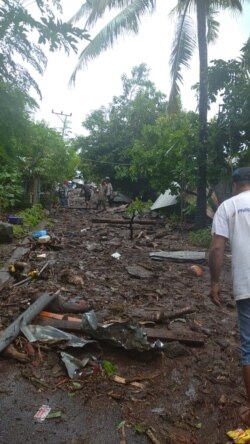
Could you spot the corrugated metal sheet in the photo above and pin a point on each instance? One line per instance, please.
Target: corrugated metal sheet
(164, 200)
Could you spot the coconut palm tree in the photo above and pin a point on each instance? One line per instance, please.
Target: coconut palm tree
(127, 20)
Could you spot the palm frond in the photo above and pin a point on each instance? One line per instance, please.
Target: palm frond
(183, 7)
(232, 5)
(182, 51)
(212, 27)
(127, 21)
(82, 12)
(245, 55)
(95, 9)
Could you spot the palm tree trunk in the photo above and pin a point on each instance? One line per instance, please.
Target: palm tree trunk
(201, 217)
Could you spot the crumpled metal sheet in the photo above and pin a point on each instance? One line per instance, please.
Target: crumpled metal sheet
(125, 335)
(180, 256)
(73, 365)
(50, 334)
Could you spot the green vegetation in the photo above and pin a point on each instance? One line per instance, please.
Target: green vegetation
(21, 33)
(134, 140)
(139, 207)
(31, 218)
(201, 238)
(109, 368)
(187, 36)
(10, 189)
(140, 428)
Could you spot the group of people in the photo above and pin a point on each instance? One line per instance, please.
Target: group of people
(105, 193)
(97, 196)
(231, 222)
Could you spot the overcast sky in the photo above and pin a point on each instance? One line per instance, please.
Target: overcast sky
(101, 80)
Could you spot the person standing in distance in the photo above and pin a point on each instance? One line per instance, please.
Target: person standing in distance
(102, 195)
(87, 193)
(63, 193)
(109, 190)
(232, 222)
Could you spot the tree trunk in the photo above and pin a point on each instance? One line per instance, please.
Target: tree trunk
(201, 217)
(35, 190)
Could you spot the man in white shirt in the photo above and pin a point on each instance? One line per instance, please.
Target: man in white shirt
(232, 222)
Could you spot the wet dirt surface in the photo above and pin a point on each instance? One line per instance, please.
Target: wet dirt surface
(189, 392)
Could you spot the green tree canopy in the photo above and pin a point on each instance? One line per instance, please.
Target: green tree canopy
(22, 37)
(15, 106)
(113, 130)
(128, 20)
(229, 83)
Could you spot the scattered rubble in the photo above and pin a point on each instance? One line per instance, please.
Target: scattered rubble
(173, 357)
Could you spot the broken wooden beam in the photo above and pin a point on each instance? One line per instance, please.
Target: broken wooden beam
(12, 331)
(60, 321)
(184, 337)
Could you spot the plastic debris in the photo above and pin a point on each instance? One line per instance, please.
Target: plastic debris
(39, 233)
(43, 239)
(41, 256)
(239, 436)
(42, 413)
(53, 415)
(116, 255)
(33, 273)
(15, 220)
(196, 270)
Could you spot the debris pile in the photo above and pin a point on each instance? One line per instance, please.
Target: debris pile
(88, 310)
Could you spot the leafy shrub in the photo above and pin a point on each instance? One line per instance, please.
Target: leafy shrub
(201, 238)
(10, 189)
(19, 230)
(139, 207)
(31, 217)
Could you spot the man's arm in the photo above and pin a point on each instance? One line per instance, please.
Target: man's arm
(215, 262)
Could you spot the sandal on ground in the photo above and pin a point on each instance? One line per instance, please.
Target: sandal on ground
(244, 414)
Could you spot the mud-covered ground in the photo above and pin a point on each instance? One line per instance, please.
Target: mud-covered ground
(187, 392)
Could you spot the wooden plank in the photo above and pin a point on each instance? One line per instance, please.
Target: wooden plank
(184, 337)
(63, 322)
(62, 317)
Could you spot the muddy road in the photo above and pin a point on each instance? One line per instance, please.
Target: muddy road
(184, 388)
